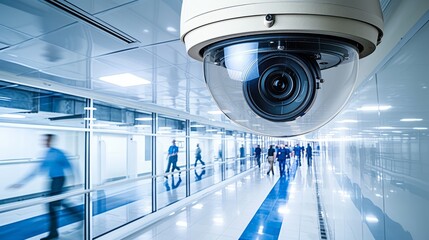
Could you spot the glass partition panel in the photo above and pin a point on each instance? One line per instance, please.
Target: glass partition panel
(119, 204)
(206, 169)
(33, 124)
(171, 160)
(232, 160)
(61, 217)
(121, 145)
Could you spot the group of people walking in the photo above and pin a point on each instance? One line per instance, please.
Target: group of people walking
(283, 154)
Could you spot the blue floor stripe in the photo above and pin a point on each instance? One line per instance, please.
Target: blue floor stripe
(267, 221)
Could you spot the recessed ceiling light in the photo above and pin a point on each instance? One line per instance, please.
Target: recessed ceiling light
(348, 121)
(411, 119)
(15, 116)
(384, 128)
(144, 119)
(215, 112)
(171, 29)
(125, 80)
(374, 108)
(197, 126)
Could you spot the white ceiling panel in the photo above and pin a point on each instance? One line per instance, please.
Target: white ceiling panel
(33, 18)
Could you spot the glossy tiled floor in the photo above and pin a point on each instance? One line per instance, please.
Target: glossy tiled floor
(227, 213)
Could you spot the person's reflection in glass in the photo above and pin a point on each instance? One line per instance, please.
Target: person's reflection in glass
(55, 164)
(198, 177)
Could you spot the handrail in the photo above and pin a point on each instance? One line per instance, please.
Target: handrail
(37, 201)
(28, 160)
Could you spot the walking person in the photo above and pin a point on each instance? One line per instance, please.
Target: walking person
(297, 153)
(258, 155)
(309, 154)
(172, 158)
(198, 155)
(288, 155)
(242, 155)
(270, 154)
(281, 158)
(55, 164)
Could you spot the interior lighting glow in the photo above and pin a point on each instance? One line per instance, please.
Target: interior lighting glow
(261, 230)
(384, 128)
(181, 224)
(371, 219)
(374, 108)
(198, 206)
(341, 128)
(125, 80)
(283, 210)
(14, 116)
(347, 121)
(420, 128)
(144, 119)
(215, 112)
(197, 126)
(218, 220)
(171, 29)
(411, 119)
(90, 108)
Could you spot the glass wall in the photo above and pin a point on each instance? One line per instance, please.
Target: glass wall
(171, 161)
(125, 163)
(206, 166)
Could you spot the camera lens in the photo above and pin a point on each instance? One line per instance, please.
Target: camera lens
(285, 88)
(278, 83)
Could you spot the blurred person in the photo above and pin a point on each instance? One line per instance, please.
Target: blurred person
(288, 155)
(309, 154)
(172, 158)
(270, 157)
(55, 164)
(199, 176)
(281, 158)
(258, 155)
(198, 156)
(297, 153)
(242, 154)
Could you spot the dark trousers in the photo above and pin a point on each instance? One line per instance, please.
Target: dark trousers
(282, 163)
(57, 184)
(309, 159)
(199, 159)
(172, 163)
(258, 160)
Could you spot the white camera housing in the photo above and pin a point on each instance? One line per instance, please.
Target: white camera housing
(281, 67)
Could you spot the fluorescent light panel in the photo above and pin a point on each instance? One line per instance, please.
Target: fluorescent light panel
(374, 108)
(14, 116)
(125, 80)
(411, 120)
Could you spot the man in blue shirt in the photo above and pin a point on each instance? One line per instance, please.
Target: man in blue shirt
(297, 152)
(282, 154)
(309, 154)
(172, 158)
(258, 155)
(55, 163)
(242, 154)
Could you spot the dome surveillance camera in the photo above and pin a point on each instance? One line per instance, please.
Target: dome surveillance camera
(281, 67)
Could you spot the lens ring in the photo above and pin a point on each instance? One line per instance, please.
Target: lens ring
(278, 83)
(285, 89)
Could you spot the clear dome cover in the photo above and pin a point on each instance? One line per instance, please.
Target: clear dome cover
(281, 85)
